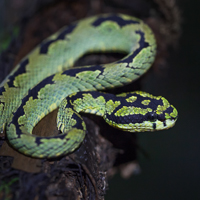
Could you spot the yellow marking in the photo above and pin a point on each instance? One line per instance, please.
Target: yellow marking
(131, 110)
(145, 102)
(90, 110)
(60, 68)
(71, 95)
(103, 47)
(42, 115)
(131, 99)
(174, 114)
(160, 108)
(145, 94)
(122, 95)
(89, 104)
(85, 75)
(71, 61)
(111, 105)
(53, 106)
(139, 127)
(83, 125)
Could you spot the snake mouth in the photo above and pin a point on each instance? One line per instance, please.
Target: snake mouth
(168, 123)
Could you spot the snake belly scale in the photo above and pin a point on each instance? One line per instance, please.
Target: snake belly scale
(45, 80)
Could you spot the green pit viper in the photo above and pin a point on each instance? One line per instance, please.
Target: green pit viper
(45, 80)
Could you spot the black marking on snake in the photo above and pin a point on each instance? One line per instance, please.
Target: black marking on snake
(2, 89)
(35, 90)
(31, 93)
(17, 114)
(136, 118)
(137, 74)
(38, 140)
(78, 95)
(78, 119)
(19, 71)
(161, 117)
(68, 30)
(75, 115)
(67, 105)
(154, 126)
(19, 147)
(24, 145)
(45, 45)
(132, 118)
(74, 71)
(143, 45)
(120, 21)
(107, 96)
(137, 103)
(168, 110)
(15, 118)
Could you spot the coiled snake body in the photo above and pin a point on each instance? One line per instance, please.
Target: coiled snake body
(44, 80)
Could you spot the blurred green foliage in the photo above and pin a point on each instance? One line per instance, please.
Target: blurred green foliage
(6, 37)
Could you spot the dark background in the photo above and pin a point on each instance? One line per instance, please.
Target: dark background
(172, 170)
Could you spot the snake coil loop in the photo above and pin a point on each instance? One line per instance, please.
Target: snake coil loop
(45, 80)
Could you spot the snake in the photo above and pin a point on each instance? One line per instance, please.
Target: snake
(45, 80)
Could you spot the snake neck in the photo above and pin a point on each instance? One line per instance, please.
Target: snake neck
(94, 102)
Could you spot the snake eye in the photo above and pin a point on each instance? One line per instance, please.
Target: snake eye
(152, 116)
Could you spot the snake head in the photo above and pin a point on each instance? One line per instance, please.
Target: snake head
(141, 111)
